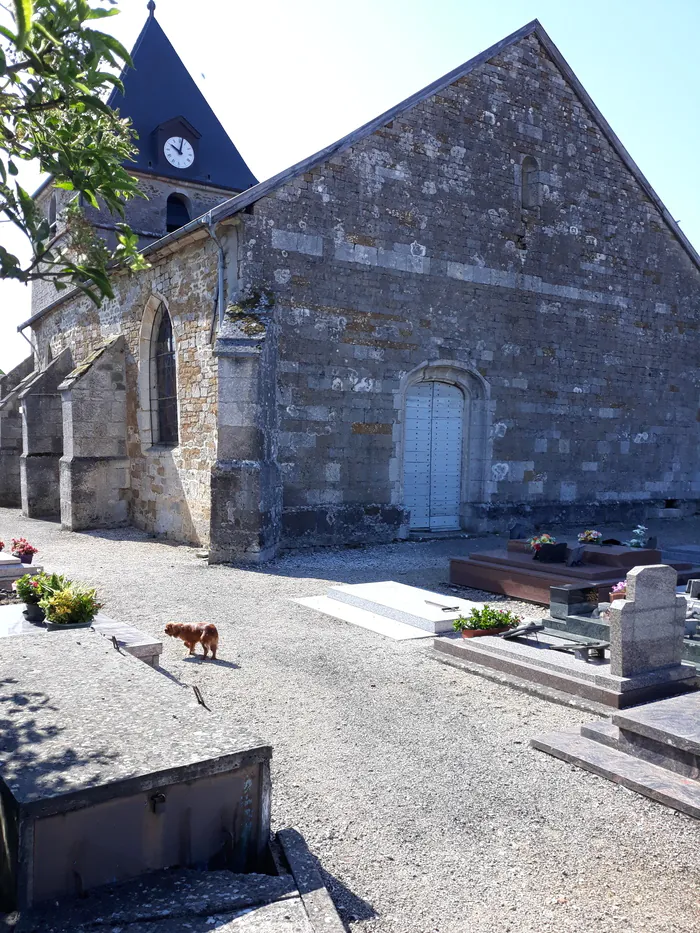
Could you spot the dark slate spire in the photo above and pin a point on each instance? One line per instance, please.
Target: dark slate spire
(162, 101)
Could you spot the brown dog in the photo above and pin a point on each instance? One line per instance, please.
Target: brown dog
(193, 632)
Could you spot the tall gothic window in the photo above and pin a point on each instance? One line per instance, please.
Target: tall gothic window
(164, 425)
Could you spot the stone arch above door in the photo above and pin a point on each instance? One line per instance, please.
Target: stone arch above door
(476, 442)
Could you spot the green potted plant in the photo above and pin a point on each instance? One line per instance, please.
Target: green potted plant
(28, 589)
(486, 621)
(70, 607)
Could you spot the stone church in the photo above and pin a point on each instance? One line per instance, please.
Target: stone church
(473, 308)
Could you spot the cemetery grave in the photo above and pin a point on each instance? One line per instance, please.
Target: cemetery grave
(644, 662)
(517, 572)
(113, 771)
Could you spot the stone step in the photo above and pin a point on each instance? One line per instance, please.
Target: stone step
(660, 784)
(631, 743)
(674, 722)
(407, 604)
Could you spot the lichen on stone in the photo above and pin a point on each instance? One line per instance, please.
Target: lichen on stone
(248, 313)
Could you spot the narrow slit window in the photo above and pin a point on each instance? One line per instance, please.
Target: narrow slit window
(164, 423)
(530, 183)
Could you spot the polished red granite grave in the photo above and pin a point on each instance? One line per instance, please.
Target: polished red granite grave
(514, 572)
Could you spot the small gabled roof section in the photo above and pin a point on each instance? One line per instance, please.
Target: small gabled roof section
(159, 89)
(82, 368)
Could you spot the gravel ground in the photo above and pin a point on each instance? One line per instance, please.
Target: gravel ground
(412, 782)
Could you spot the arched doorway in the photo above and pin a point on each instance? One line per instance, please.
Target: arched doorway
(433, 441)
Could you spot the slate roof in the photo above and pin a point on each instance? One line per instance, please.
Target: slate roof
(159, 88)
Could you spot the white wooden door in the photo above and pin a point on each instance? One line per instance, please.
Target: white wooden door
(433, 455)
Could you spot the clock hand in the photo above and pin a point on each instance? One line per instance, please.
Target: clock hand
(182, 143)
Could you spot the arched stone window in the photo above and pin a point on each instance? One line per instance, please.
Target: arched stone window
(163, 381)
(177, 212)
(530, 190)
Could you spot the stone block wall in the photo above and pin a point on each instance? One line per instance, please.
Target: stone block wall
(94, 466)
(146, 217)
(11, 433)
(42, 439)
(169, 488)
(576, 308)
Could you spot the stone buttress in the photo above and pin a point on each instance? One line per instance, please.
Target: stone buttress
(42, 439)
(95, 466)
(11, 432)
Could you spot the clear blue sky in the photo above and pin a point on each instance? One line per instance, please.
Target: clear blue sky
(287, 78)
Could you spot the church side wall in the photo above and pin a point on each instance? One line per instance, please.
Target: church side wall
(572, 308)
(169, 488)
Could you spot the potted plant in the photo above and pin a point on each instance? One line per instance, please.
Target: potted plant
(70, 607)
(23, 549)
(2, 545)
(619, 591)
(486, 621)
(589, 536)
(536, 541)
(32, 589)
(28, 588)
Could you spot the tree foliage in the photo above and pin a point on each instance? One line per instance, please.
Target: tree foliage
(56, 71)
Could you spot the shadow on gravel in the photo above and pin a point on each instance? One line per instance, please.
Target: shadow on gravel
(210, 662)
(350, 907)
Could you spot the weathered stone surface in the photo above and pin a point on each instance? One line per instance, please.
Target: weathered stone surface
(94, 469)
(93, 735)
(646, 629)
(42, 438)
(11, 433)
(465, 240)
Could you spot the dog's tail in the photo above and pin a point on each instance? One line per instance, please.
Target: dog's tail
(210, 636)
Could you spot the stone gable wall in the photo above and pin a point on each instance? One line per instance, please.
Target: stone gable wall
(579, 316)
(169, 489)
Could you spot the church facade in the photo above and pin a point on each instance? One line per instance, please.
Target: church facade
(474, 308)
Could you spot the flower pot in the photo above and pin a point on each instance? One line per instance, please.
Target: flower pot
(25, 558)
(476, 632)
(33, 612)
(621, 594)
(62, 626)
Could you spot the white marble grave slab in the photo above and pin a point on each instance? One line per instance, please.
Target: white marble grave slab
(432, 612)
(369, 620)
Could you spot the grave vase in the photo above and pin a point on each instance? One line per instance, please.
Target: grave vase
(33, 612)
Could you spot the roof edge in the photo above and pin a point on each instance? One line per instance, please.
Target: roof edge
(614, 140)
(240, 201)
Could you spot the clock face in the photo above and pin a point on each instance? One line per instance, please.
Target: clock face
(179, 152)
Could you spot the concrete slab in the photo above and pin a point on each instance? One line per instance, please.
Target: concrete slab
(135, 642)
(409, 605)
(369, 620)
(109, 769)
(184, 901)
(12, 568)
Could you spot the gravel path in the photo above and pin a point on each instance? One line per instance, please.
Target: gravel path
(412, 782)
